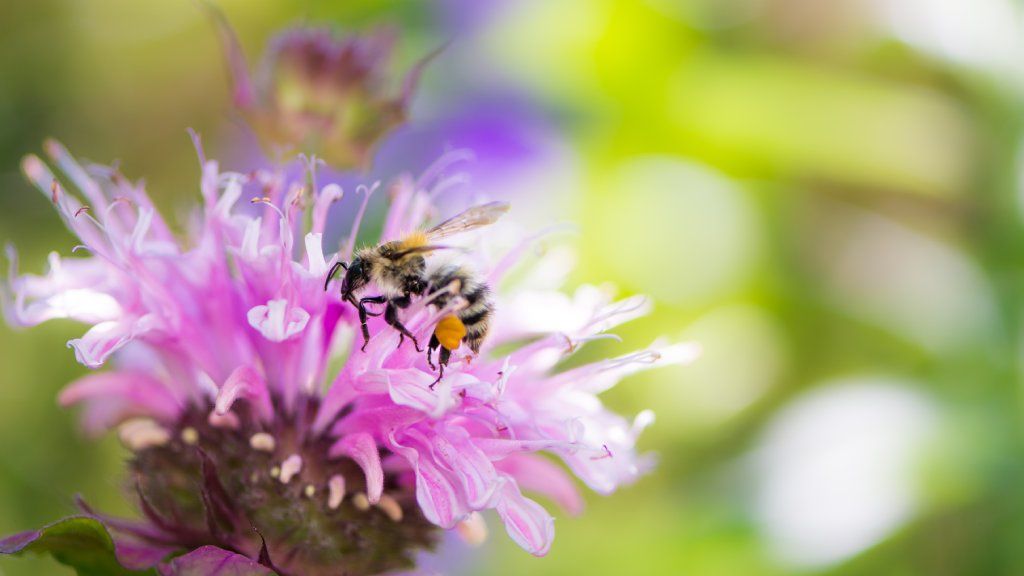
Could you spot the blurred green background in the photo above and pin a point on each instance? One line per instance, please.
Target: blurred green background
(826, 195)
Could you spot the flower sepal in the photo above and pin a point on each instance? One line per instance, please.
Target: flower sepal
(80, 542)
(85, 544)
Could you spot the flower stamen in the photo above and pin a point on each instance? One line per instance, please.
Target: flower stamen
(190, 436)
(390, 507)
(473, 529)
(141, 433)
(262, 442)
(335, 491)
(291, 466)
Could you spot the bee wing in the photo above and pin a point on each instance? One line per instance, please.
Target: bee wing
(470, 219)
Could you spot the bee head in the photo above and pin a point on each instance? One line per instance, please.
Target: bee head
(357, 275)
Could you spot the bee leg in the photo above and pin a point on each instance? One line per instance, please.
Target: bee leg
(363, 326)
(434, 345)
(371, 300)
(442, 361)
(391, 317)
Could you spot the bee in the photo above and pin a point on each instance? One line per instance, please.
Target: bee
(400, 270)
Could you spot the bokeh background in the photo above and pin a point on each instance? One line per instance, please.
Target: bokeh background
(826, 195)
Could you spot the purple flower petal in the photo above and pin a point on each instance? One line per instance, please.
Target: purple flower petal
(475, 471)
(213, 561)
(245, 382)
(102, 340)
(526, 521)
(138, 555)
(436, 495)
(116, 395)
(545, 477)
(277, 321)
(363, 449)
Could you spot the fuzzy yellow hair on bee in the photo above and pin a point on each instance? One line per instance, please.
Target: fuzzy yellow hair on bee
(415, 240)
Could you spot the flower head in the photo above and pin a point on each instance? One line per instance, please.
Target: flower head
(259, 429)
(316, 91)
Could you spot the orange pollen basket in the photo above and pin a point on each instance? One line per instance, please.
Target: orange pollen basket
(450, 331)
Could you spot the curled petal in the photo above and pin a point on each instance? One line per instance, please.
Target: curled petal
(409, 387)
(277, 321)
(611, 315)
(80, 304)
(99, 342)
(208, 183)
(75, 216)
(545, 477)
(526, 521)
(600, 376)
(232, 191)
(328, 195)
(474, 470)
(498, 448)
(363, 450)
(250, 248)
(412, 388)
(75, 289)
(105, 338)
(112, 397)
(435, 493)
(315, 254)
(67, 163)
(605, 457)
(245, 382)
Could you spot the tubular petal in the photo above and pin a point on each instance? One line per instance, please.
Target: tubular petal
(363, 449)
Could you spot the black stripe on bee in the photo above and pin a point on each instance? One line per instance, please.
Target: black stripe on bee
(474, 342)
(475, 294)
(474, 318)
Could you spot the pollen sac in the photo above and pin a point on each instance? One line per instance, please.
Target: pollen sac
(319, 92)
(450, 331)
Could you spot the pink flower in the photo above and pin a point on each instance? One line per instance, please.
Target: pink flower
(258, 427)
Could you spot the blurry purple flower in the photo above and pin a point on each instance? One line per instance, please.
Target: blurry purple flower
(260, 434)
(466, 16)
(320, 93)
(515, 152)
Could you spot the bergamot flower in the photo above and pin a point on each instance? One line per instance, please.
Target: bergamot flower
(319, 91)
(262, 436)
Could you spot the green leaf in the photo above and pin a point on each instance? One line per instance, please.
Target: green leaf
(81, 543)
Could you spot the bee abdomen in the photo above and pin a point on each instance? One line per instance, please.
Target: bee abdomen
(476, 316)
(446, 283)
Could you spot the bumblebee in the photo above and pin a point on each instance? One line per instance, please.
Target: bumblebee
(400, 271)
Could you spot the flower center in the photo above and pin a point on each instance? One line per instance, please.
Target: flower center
(237, 484)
